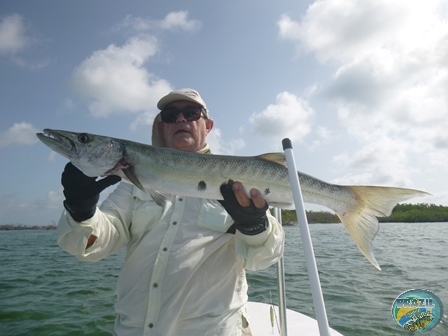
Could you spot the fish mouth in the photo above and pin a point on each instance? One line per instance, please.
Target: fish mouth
(57, 141)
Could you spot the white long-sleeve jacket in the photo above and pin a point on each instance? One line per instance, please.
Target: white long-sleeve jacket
(183, 274)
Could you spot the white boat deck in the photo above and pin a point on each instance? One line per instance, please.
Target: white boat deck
(297, 323)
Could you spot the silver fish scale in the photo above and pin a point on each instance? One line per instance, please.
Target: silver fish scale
(319, 192)
(200, 175)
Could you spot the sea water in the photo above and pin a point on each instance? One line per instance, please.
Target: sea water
(46, 291)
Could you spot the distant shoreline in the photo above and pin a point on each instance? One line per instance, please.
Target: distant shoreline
(54, 227)
(19, 227)
(402, 213)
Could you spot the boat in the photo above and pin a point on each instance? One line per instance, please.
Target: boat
(261, 323)
(268, 319)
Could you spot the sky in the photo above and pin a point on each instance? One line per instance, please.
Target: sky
(361, 88)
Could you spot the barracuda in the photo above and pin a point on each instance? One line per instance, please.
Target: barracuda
(162, 172)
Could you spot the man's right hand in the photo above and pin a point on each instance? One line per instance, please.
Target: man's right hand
(82, 192)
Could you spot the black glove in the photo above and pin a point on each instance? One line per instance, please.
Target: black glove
(250, 220)
(82, 192)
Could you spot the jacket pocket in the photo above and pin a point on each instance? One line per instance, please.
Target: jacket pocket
(146, 213)
(212, 216)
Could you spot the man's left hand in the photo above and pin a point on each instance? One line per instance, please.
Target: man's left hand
(249, 214)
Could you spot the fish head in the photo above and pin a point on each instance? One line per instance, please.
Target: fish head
(94, 155)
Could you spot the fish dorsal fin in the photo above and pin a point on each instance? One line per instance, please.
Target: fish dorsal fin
(278, 158)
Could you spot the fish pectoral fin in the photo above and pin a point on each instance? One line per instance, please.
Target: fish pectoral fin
(278, 158)
(159, 197)
(130, 174)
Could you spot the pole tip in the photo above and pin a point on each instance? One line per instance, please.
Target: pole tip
(286, 142)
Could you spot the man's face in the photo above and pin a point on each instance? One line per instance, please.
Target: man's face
(186, 135)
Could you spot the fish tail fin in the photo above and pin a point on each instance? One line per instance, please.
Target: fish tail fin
(360, 219)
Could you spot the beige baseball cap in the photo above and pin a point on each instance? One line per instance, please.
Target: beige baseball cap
(182, 94)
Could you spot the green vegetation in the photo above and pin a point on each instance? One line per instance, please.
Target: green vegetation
(289, 217)
(402, 213)
(414, 213)
(6, 227)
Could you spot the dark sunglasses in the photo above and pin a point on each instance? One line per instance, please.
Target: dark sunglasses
(190, 113)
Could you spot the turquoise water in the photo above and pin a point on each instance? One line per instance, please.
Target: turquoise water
(45, 291)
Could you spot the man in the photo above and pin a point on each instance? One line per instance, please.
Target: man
(184, 272)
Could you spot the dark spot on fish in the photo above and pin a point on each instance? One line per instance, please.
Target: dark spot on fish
(267, 191)
(202, 185)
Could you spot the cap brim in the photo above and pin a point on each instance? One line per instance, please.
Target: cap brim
(174, 97)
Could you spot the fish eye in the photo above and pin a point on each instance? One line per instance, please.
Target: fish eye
(84, 138)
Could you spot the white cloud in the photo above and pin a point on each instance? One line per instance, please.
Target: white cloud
(382, 160)
(441, 141)
(384, 50)
(343, 30)
(135, 24)
(322, 136)
(19, 134)
(172, 21)
(389, 89)
(15, 38)
(179, 20)
(289, 117)
(12, 35)
(220, 146)
(143, 120)
(116, 81)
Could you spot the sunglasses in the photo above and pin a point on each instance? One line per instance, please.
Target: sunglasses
(190, 113)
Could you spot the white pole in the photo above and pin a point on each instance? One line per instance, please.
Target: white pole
(281, 285)
(316, 290)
